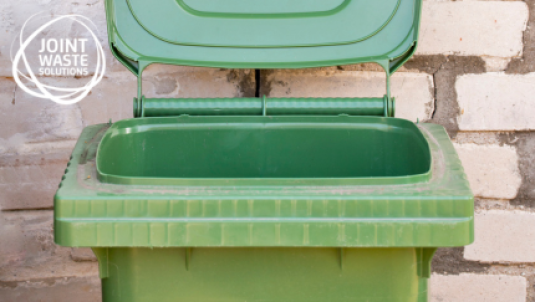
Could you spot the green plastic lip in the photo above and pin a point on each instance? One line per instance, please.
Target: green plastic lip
(122, 180)
(151, 125)
(262, 6)
(196, 12)
(222, 16)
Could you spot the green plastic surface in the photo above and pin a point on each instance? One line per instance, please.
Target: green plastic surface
(278, 29)
(284, 212)
(152, 107)
(262, 150)
(264, 274)
(262, 34)
(261, 6)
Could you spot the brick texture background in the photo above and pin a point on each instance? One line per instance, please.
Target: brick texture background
(474, 73)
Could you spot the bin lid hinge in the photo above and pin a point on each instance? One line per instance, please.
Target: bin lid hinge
(263, 106)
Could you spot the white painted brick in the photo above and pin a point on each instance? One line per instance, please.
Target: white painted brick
(30, 181)
(479, 28)
(496, 101)
(492, 170)
(83, 254)
(496, 64)
(33, 125)
(7, 96)
(165, 81)
(413, 91)
(112, 97)
(503, 236)
(13, 14)
(28, 124)
(477, 288)
(57, 290)
(28, 251)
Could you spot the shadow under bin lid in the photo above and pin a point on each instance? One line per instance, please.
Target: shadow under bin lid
(261, 33)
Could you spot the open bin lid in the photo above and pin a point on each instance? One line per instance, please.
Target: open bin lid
(263, 34)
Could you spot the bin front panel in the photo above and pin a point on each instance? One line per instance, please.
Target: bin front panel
(263, 274)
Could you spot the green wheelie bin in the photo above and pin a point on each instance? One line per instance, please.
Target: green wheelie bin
(264, 199)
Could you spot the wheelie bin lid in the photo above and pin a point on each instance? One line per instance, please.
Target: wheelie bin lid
(263, 34)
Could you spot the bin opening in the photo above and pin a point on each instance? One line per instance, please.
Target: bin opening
(262, 147)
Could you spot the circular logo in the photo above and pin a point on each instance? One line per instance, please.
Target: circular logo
(58, 57)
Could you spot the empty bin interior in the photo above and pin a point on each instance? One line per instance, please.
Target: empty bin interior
(263, 147)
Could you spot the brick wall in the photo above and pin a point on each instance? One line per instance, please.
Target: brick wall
(473, 74)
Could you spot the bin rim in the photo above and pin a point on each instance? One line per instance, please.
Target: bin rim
(138, 124)
(438, 212)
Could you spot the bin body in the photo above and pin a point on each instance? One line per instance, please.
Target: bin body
(263, 274)
(315, 234)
